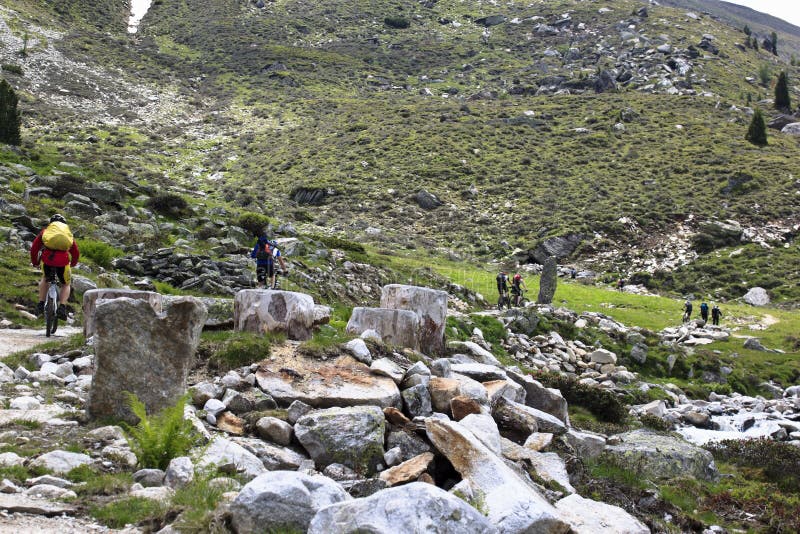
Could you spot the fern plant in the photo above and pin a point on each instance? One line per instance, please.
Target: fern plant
(160, 437)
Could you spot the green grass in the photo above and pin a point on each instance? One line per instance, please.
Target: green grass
(129, 511)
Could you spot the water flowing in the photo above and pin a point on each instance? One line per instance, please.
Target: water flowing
(138, 10)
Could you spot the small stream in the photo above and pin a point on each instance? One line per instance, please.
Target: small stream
(138, 10)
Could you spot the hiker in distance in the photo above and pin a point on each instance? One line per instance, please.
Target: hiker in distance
(265, 253)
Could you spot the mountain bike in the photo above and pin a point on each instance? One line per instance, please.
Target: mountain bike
(51, 303)
(519, 299)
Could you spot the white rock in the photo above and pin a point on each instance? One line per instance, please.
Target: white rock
(586, 516)
(25, 403)
(359, 350)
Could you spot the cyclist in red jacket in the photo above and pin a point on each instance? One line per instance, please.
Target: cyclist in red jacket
(59, 261)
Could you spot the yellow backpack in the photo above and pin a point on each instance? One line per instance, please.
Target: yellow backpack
(57, 236)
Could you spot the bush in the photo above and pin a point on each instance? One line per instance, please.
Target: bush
(602, 403)
(9, 115)
(398, 22)
(757, 132)
(15, 69)
(780, 462)
(339, 243)
(655, 422)
(99, 252)
(255, 223)
(168, 204)
(160, 437)
(241, 349)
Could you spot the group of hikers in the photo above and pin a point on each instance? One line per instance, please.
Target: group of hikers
(716, 313)
(56, 250)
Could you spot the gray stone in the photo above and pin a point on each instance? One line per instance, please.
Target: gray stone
(548, 281)
(322, 384)
(139, 352)
(475, 351)
(11, 459)
(92, 297)
(417, 401)
(752, 343)
(49, 480)
(409, 509)
(61, 462)
(662, 456)
(396, 327)
(792, 128)
(350, 436)
(359, 350)
(479, 371)
(46, 491)
(149, 477)
(525, 420)
(297, 410)
(275, 430)
(180, 472)
(24, 403)
(282, 500)
(23, 504)
(549, 400)
(230, 457)
(586, 516)
(204, 391)
(410, 445)
(547, 465)
(484, 427)
(386, 367)
(639, 353)
(266, 311)
(274, 457)
(756, 296)
(220, 310)
(586, 444)
(430, 305)
(510, 502)
(603, 356)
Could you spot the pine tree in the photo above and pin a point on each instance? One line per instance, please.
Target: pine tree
(747, 30)
(757, 132)
(774, 41)
(9, 115)
(782, 100)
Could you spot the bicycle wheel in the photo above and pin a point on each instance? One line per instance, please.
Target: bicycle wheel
(50, 317)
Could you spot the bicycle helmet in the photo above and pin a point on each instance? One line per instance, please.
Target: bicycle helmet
(58, 218)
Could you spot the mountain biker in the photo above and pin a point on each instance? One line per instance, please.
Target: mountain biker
(502, 288)
(265, 252)
(58, 251)
(687, 310)
(517, 286)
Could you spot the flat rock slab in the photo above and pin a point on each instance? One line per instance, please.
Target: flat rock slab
(41, 415)
(19, 503)
(341, 382)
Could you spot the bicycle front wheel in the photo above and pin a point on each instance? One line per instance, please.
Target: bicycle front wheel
(50, 317)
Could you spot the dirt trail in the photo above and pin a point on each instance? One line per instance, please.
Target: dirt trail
(13, 340)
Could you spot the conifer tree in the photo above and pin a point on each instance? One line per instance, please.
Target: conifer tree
(782, 100)
(757, 132)
(774, 42)
(9, 115)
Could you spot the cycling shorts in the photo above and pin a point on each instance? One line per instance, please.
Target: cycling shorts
(63, 273)
(265, 271)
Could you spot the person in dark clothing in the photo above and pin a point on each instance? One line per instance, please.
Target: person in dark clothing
(265, 253)
(704, 312)
(687, 310)
(502, 289)
(716, 313)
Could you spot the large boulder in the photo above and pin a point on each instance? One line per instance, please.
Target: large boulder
(230, 457)
(351, 436)
(142, 353)
(756, 296)
(220, 310)
(283, 501)
(524, 420)
(586, 516)
(396, 327)
(430, 305)
(409, 509)
(542, 398)
(511, 503)
(548, 281)
(324, 384)
(661, 456)
(265, 311)
(93, 296)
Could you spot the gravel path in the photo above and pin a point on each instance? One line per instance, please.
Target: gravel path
(15, 340)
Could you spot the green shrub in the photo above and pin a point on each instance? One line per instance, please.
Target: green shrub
(15, 69)
(128, 511)
(603, 404)
(255, 223)
(779, 462)
(168, 204)
(160, 437)
(239, 350)
(99, 252)
(339, 243)
(655, 422)
(397, 21)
